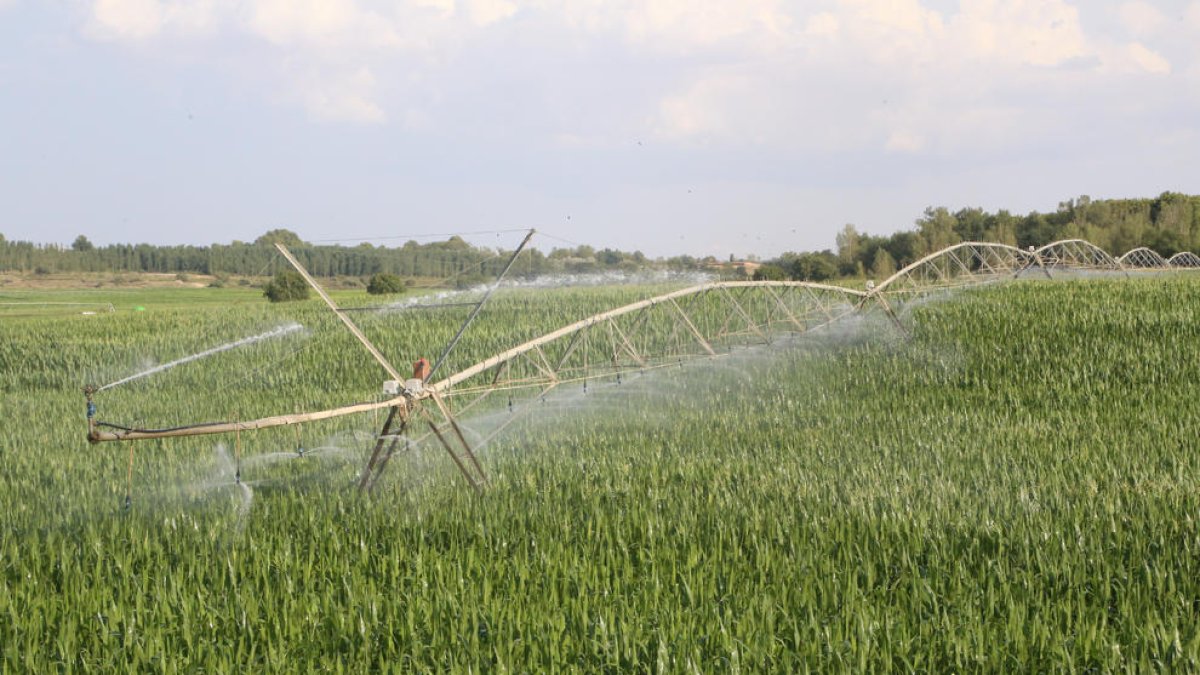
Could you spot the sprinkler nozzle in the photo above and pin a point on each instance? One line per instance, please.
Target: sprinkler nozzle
(91, 407)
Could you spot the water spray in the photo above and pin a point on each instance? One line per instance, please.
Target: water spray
(129, 481)
(273, 333)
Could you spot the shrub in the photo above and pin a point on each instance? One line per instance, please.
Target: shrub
(770, 273)
(468, 281)
(285, 287)
(384, 283)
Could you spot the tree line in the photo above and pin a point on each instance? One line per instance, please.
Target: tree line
(454, 260)
(1169, 223)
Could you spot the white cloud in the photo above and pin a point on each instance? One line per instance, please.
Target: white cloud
(822, 25)
(1141, 18)
(128, 19)
(890, 31)
(1191, 15)
(139, 20)
(345, 97)
(1148, 59)
(904, 141)
(324, 23)
(444, 8)
(896, 17)
(487, 12)
(700, 110)
(833, 73)
(680, 25)
(890, 74)
(1029, 32)
(766, 106)
(324, 47)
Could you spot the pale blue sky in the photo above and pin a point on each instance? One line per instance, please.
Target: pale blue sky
(670, 126)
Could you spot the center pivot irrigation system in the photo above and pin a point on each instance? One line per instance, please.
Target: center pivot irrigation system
(701, 321)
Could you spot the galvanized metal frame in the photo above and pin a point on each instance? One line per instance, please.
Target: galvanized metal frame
(1143, 258)
(1076, 254)
(1184, 260)
(701, 321)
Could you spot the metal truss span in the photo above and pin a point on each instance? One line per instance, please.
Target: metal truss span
(1143, 258)
(695, 322)
(962, 264)
(1075, 254)
(661, 331)
(702, 320)
(692, 323)
(1184, 260)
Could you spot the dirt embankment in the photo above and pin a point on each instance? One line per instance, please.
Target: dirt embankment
(66, 281)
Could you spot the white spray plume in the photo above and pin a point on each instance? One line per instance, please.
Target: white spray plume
(273, 333)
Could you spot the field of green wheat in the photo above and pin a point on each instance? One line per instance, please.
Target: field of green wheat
(1012, 486)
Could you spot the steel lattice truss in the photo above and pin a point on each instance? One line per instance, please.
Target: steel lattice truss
(958, 265)
(1184, 259)
(1143, 258)
(1076, 254)
(693, 323)
(663, 331)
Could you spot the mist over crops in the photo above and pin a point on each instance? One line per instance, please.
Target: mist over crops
(1013, 485)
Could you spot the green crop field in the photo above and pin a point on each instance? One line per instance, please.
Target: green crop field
(1013, 487)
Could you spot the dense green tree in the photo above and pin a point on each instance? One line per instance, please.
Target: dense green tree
(1002, 228)
(884, 265)
(770, 272)
(847, 241)
(279, 236)
(1167, 223)
(609, 257)
(849, 249)
(813, 266)
(903, 247)
(287, 286)
(684, 263)
(1166, 242)
(384, 283)
(1036, 230)
(937, 230)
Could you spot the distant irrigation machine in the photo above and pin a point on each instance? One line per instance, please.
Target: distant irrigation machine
(697, 322)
